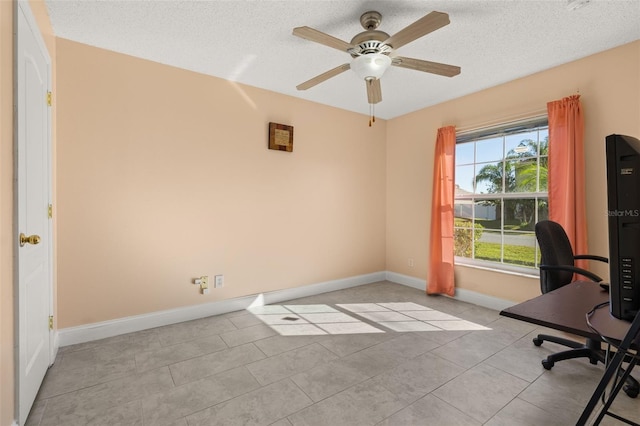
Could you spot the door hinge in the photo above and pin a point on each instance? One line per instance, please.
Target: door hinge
(50, 322)
(50, 211)
(49, 95)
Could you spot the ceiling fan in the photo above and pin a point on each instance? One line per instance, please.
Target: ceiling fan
(373, 51)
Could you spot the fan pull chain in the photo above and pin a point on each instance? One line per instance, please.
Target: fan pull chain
(372, 116)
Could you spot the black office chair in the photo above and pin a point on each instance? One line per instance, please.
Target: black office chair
(557, 267)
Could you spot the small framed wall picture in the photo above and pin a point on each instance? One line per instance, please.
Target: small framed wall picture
(280, 137)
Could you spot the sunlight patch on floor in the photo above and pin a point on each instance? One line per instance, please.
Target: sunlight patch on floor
(305, 320)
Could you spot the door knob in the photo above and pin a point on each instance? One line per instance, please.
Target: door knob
(31, 239)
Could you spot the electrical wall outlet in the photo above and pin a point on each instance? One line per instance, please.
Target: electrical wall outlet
(219, 281)
(410, 262)
(204, 284)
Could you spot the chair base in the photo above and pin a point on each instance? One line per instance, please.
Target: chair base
(592, 349)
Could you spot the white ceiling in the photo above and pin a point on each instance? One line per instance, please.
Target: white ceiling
(493, 41)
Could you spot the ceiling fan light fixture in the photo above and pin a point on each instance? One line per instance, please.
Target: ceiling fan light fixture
(372, 65)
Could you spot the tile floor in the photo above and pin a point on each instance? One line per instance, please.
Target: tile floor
(463, 365)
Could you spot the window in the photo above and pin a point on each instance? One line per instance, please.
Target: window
(500, 194)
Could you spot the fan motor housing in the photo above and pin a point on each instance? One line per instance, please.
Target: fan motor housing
(370, 42)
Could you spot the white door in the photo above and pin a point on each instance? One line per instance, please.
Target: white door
(33, 225)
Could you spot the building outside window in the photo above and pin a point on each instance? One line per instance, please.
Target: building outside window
(500, 194)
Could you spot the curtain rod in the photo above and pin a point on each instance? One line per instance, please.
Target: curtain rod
(499, 121)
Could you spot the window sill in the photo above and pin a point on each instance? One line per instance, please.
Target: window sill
(487, 266)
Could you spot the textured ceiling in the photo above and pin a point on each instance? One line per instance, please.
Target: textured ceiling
(493, 41)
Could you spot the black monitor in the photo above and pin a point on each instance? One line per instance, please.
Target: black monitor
(623, 195)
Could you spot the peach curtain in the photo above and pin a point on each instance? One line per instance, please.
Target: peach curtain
(440, 276)
(566, 171)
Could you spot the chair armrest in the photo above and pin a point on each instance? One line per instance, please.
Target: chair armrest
(591, 257)
(584, 272)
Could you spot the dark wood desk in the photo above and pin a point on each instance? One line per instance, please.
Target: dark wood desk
(565, 309)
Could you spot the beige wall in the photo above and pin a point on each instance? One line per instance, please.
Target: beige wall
(6, 214)
(175, 181)
(164, 175)
(609, 84)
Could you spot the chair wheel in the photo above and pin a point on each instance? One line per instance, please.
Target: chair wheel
(547, 364)
(537, 341)
(631, 391)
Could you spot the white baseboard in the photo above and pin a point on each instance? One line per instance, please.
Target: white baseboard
(416, 283)
(101, 330)
(461, 293)
(104, 329)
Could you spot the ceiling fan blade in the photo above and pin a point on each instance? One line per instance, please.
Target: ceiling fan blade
(426, 66)
(374, 91)
(322, 38)
(421, 27)
(322, 77)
